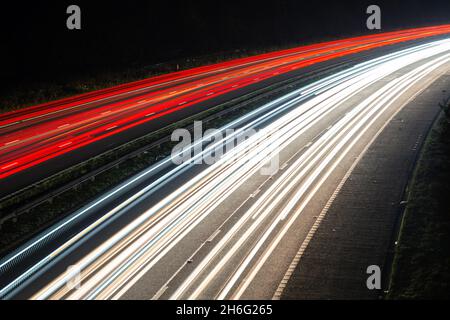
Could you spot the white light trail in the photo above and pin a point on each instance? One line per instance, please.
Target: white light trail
(119, 262)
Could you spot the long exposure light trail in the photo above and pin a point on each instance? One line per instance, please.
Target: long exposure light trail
(48, 131)
(115, 265)
(268, 111)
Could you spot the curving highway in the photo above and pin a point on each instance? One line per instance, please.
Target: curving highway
(228, 230)
(34, 135)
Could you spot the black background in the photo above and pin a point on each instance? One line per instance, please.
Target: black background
(115, 34)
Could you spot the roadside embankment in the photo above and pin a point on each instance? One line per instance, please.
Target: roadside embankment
(421, 266)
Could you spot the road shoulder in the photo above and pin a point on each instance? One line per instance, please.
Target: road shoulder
(360, 227)
(421, 266)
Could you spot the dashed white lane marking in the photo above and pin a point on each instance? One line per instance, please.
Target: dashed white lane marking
(10, 165)
(312, 231)
(160, 293)
(65, 144)
(111, 128)
(284, 166)
(11, 142)
(213, 236)
(416, 145)
(254, 194)
(287, 276)
(166, 285)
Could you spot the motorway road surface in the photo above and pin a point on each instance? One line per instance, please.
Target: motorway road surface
(35, 135)
(359, 228)
(231, 229)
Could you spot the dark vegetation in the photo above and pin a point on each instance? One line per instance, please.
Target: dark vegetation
(17, 225)
(121, 41)
(421, 268)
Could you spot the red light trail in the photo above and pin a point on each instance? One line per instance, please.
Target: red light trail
(33, 135)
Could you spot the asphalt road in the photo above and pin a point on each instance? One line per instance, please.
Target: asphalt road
(229, 230)
(43, 140)
(360, 226)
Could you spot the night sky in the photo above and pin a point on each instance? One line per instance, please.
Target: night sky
(120, 33)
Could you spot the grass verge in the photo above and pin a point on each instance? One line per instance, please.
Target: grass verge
(421, 265)
(31, 93)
